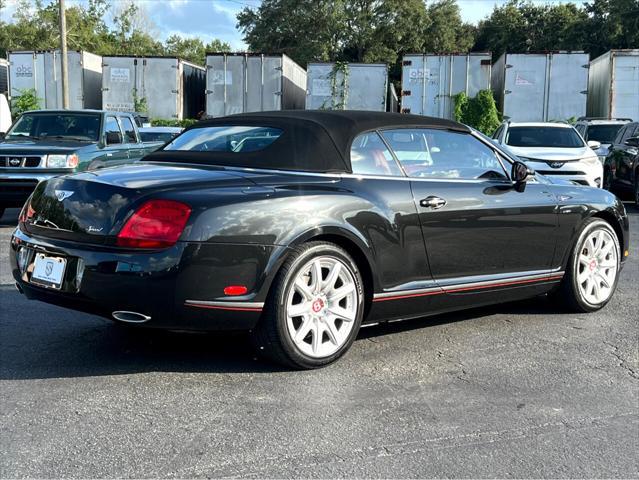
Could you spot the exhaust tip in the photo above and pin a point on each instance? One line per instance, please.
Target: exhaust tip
(19, 288)
(130, 317)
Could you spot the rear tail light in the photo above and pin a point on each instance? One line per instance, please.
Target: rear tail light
(26, 213)
(156, 224)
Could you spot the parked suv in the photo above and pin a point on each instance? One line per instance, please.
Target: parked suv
(46, 143)
(553, 149)
(602, 130)
(621, 167)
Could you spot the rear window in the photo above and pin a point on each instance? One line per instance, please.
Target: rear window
(231, 139)
(603, 133)
(556, 137)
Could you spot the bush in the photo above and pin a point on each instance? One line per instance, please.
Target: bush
(27, 100)
(479, 112)
(161, 122)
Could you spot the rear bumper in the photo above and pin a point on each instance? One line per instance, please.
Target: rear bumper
(178, 288)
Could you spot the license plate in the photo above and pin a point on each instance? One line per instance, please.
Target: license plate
(48, 271)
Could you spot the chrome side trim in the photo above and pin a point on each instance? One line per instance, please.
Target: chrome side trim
(457, 283)
(466, 283)
(395, 293)
(247, 306)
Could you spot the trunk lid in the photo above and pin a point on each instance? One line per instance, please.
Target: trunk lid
(92, 207)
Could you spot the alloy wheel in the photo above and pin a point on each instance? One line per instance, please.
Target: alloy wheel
(321, 307)
(597, 267)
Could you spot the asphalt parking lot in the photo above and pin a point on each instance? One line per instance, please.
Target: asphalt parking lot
(516, 390)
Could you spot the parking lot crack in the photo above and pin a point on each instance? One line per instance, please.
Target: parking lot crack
(623, 363)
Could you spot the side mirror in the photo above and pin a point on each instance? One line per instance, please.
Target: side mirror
(2, 134)
(633, 142)
(594, 144)
(113, 138)
(520, 174)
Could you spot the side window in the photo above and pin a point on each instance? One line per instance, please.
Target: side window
(430, 153)
(129, 131)
(636, 132)
(581, 128)
(620, 135)
(498, 132)
(370, 156)
(112, 131)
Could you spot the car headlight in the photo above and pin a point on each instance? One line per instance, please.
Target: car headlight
(62, 161)
(594, 160)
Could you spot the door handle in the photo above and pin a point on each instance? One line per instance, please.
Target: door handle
(432, 202)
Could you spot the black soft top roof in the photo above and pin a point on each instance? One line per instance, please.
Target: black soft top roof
(313, 140)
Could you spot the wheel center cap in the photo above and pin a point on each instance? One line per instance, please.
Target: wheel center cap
(317, 305)
(593, 265)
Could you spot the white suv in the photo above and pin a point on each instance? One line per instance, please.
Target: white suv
(553, 149)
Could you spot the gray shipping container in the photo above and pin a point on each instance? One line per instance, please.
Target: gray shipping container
(359, 86)
(244, 82)
(429, 82)
(41, 71)
(4, 76)
(540, 87)
(613, 85)
(172, 88)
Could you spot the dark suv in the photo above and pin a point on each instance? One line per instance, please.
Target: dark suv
(621, 167)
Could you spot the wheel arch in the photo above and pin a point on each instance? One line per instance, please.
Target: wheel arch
(356, 246)
(611, 219)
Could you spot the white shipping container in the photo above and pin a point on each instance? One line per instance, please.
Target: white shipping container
(4, 76)
(244, 82)
(540, 87)
(356, 86)
(429, 82)
(613, 85)
(42, 71)
(171, 88)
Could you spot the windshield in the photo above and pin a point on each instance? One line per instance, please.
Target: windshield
(57, 126)
(157, 136)
(556, 137)
(603, 133)
(231, 138)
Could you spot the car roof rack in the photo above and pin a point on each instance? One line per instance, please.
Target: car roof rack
(581, 119)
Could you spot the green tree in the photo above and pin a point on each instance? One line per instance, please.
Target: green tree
(25, 101)
(521, 26)
(445, 31)
(35, 27)
(611, 24)
(305, 30)
(193, 49)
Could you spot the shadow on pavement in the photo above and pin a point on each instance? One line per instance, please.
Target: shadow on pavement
(42, 341)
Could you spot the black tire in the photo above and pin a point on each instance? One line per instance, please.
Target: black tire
(569, 294)
(637, 189)
(271, 337)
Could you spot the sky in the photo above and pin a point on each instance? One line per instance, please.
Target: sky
(208, 19)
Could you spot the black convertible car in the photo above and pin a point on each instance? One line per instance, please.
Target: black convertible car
(301, 226)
